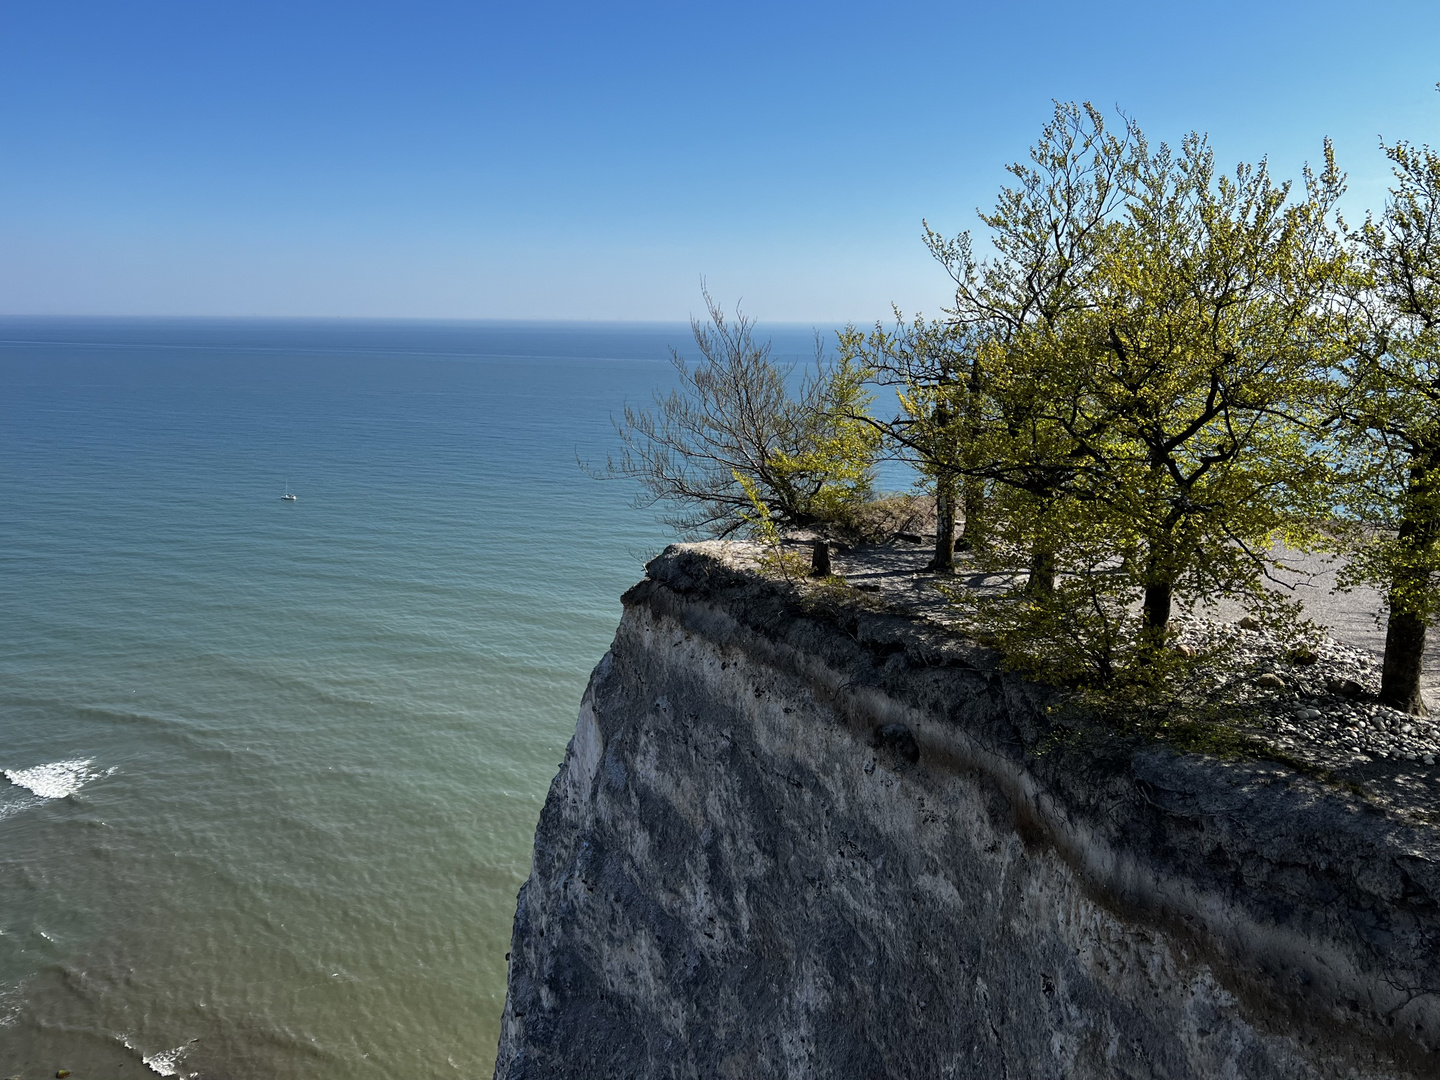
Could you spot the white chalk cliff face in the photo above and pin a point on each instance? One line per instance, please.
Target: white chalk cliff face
(791, 841)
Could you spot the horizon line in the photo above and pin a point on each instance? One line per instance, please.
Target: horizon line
(505, 319)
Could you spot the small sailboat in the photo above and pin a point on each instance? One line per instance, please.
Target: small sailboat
(288, 496)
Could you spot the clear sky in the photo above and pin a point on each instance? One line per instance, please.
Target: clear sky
(585, 160)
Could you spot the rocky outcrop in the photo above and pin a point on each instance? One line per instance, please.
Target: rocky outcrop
(802, 838)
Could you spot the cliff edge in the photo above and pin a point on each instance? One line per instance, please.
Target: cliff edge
(793, 839)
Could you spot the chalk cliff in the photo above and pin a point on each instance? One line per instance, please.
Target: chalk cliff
(798, 839)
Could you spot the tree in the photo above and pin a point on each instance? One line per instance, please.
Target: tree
(1204, 347)
(968, 406)
(1391, 410)
(1047, 229)
(931, 364)
(734, 424)
(1154, 341)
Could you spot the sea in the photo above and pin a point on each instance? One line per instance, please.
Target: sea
(271, 768)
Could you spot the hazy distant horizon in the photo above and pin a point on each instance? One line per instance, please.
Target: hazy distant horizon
(458, 339)
(578, 323)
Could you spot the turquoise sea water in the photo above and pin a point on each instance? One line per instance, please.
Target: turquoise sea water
(272, 768)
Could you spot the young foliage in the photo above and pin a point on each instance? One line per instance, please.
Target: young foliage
(978, 378)
(774, 559)
(1205, 347)
(1156, 337)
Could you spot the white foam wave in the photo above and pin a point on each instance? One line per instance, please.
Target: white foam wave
(165, 1063)
(56, 779)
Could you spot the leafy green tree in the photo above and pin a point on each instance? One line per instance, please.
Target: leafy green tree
(1391, 411)
(1032, 457)
(1157, 337)
(741, 428)
(1046, 231)
(1203, 350)
(969, 405)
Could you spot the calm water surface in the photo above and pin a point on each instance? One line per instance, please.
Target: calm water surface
(271, 768)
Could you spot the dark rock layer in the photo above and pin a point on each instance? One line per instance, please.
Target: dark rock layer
(804, 839)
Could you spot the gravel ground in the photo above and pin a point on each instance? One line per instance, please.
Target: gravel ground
(1326, 701)
(1326, 714)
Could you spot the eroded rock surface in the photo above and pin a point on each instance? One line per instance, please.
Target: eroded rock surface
(799, 839)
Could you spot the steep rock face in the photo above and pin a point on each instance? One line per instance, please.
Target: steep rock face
(792, 840)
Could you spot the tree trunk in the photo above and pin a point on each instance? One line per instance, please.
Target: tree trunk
(1405, 632)
(1159, 598)
(820, 559)
(973, 488)
(1404, 660)
(1159, 591)
(944, 560)
(1042, 572)
(973, 497)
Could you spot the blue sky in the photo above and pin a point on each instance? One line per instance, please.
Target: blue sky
(590, 161)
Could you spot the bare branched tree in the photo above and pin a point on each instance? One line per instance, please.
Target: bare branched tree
(734, 416)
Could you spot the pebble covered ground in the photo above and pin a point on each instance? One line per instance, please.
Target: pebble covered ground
(1320, 694)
